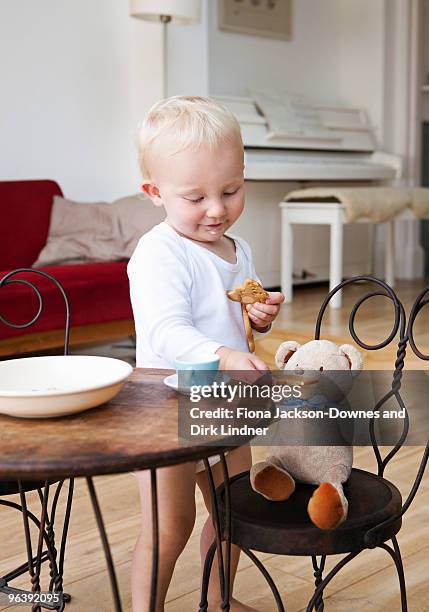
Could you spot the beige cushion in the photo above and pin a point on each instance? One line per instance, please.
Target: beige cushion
(378, 204)
(97, 231)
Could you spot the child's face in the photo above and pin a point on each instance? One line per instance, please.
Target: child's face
(201, 190)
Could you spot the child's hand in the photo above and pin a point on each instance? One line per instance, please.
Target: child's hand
(236, 360)
(262, 315)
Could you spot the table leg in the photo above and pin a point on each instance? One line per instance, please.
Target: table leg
(227, 533)
(208, 563)
(155, 540)
(336, 257)
(46, 537)
(223, 533)
(106, 547)
(286, 257)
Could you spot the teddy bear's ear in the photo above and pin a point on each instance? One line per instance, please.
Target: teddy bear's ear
(353, 356)
(285, 352)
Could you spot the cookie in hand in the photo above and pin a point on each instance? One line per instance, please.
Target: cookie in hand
(249, 292)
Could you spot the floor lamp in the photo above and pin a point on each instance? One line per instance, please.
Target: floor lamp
(181, 11)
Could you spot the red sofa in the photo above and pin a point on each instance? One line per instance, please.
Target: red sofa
(98, 292)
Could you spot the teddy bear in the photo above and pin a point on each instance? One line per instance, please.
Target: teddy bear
(325, 370)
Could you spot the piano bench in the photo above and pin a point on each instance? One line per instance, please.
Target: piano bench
(324, 213)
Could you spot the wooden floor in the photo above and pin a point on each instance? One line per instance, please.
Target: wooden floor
(369, 582)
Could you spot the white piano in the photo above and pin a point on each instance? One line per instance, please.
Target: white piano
(291, 143)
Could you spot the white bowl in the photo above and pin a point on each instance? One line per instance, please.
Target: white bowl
(40, 387)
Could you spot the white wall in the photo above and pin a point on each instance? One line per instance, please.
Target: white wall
(306, 64)
(361, 82)
(74, 81)
(188, 56)
(77, 75)
(336, 55)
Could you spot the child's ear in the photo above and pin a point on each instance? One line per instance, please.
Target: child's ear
(152, 192)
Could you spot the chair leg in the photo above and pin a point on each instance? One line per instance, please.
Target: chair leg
(319, 606)
(334, 571)
(46, 534)
(208, 563)
(21, 569)
(266, 575)
(396, 556)
(401, 575)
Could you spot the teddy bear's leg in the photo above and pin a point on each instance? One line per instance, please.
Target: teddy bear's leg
(271, 480)
(328, 506)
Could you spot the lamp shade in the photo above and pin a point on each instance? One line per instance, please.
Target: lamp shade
(183, 11)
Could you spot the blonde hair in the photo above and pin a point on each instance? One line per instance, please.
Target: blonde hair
(185, 122)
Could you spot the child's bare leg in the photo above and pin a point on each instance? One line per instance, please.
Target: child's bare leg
(238, 461)
(176, 511)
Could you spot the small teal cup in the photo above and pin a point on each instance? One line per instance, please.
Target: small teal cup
(197, 370)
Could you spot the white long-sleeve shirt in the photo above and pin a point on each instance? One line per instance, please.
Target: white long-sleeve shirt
(178, 294)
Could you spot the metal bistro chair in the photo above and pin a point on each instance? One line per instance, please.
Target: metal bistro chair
(46, 549)
(375, 504)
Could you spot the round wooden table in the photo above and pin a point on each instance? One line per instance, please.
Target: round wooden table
(136, 430)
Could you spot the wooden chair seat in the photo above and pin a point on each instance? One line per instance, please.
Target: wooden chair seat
(284, 527)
